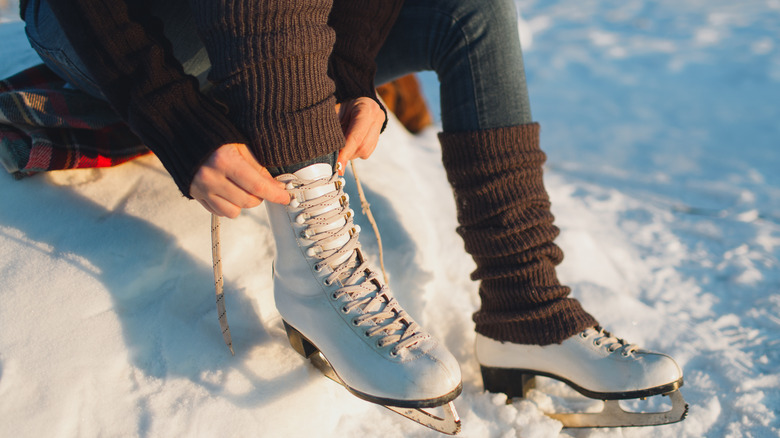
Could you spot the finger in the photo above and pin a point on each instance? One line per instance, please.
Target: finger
(355, 136)
(266, 176)
(220, 207)
(207, 207)
(226, 199)
(370, 140)
(342, 162)
(211, 183)
(247, 155)
(224, 208)
(345, 154)
(256, 182)
(361, 140)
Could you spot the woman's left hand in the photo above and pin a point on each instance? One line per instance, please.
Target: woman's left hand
(361, 120)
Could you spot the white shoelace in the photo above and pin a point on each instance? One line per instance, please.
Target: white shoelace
(329, 224)
(605, 339)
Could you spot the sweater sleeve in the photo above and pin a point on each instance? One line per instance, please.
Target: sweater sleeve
(361, 29)
(128, 56)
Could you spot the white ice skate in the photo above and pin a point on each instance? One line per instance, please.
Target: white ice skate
(340, 315)
(595, 364)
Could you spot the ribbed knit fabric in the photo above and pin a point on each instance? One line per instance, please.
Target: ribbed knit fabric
(269, 66)
(505, 221)
(353, 58)
(361, 28)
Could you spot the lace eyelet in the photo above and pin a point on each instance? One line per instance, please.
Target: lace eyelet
(367, 334)
(379, 344)
(393, 353)
(317, 268)
(327, 282)
(344, 309)
(597, 343)
(334, 296)
(583, 335)
(355, 322)
(624, 354)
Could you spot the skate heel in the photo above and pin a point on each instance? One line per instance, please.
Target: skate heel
(512, 382)
(299, 342)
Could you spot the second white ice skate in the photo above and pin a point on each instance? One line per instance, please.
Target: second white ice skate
(595, 364)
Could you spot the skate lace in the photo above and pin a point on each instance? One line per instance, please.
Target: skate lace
(329, 225)
(603, 338)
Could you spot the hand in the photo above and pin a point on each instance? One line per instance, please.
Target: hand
(231, 179)
(361, 121)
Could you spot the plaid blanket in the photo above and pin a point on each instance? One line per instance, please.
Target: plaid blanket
(44, 125)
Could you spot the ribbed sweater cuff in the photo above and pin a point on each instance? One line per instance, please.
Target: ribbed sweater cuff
(282, 139)
(269, 67)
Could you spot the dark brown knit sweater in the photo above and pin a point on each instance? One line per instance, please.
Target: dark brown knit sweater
(274, 76)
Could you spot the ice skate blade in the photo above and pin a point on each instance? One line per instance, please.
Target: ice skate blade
(516, 383)
(448, 423)
(614, 416)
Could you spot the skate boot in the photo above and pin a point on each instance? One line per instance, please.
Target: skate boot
(595, 364)
(340, 315)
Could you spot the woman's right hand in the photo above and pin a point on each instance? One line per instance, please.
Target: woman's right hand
(231, 179)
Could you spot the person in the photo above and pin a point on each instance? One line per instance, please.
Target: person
(246, 101)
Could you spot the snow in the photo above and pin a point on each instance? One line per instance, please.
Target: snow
(660, 123)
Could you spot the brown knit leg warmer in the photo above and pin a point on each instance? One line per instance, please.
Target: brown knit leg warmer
(505, 221)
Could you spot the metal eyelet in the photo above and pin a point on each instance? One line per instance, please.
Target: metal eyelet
(393, 353)
(317, 267)
(344, 309)
(327, 282)
(355, 322)
(583, 335)
(597, 343)
(334, 296)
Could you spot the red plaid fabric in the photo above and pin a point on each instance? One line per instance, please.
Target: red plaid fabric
(44, 125)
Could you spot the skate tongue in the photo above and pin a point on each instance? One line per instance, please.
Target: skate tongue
(314, 172)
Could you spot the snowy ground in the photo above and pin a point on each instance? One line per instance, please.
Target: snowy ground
(660, 122)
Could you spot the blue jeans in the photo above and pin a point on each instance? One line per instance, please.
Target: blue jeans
(48, 39)
(472, 45)
(474, 48)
